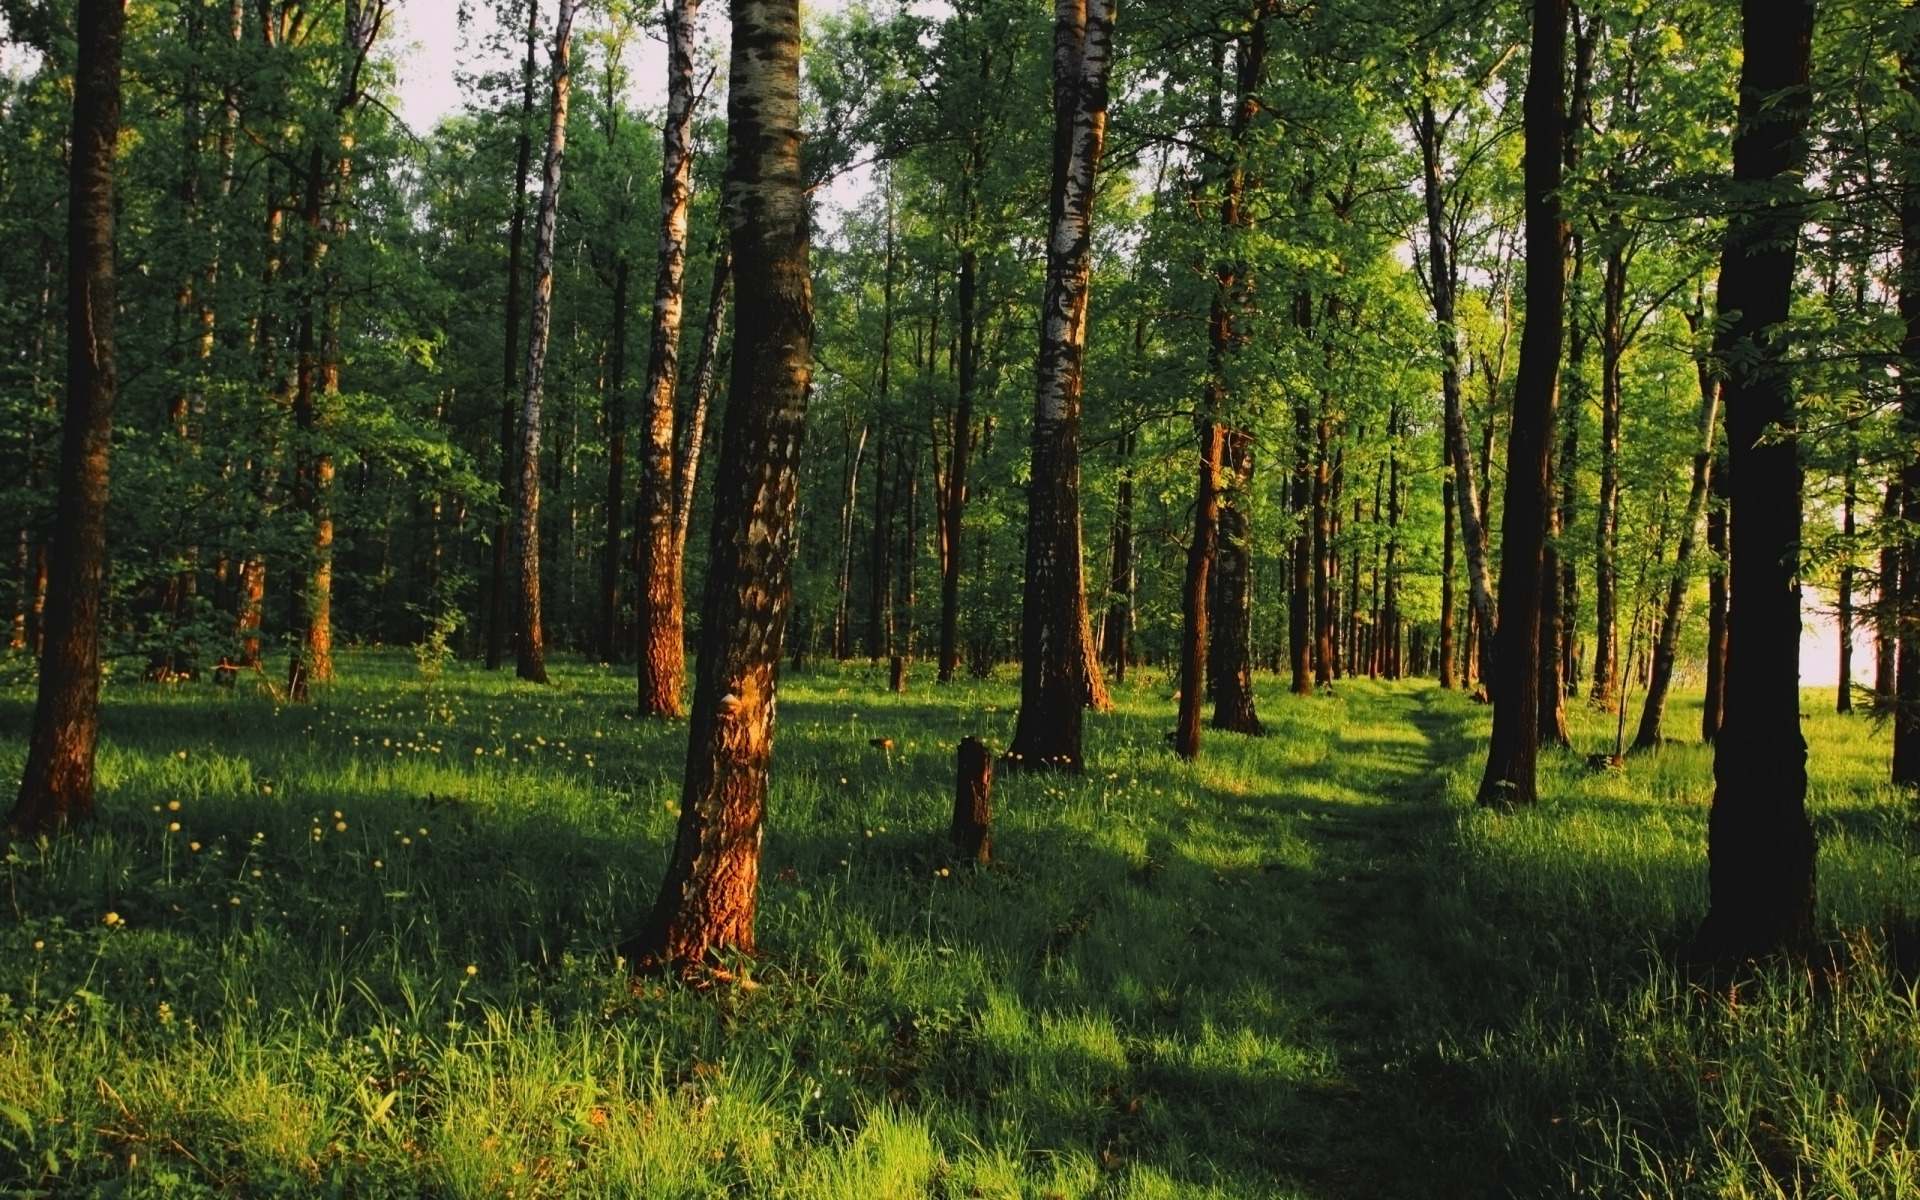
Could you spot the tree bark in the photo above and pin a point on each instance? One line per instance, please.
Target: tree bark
(972, 829)
(1906, 618)
(500, 594)
(843, 616)
(708, 897)
(1511, 754)
(530, 663)
(1442, 275)
(705, 369)
(1058, 675)
(1844, 618)
(1713, 707)
(953, 505)
(1230, 653)
(1606, 512)
(1448, 514)
(1193, 596)
(1760, 846)
(661, 604)
(1666, 647)
(57, 786)
(616, 412)
(1117, 638)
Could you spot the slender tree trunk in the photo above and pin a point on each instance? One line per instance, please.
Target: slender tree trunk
(1324, 617)
(1713, 708)
(1448, 514)
(1906, 617)
(1886, 599)
(708, 896)
(1666, 647)
(500, 593)
(1442, 274)
(1760, 847)
(530, 662)
(57, 786)
(1606, 512)
(1118, 636)
(842, 615)
(1300, 592)
(1843, 700)
(1509, 778)
(880, 564)
(953, 505)
(1193, 596)
(661, 601)
(616, 468)
(705, 368)
(1059, 677)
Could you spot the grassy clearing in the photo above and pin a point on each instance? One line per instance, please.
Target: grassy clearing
(368, 954)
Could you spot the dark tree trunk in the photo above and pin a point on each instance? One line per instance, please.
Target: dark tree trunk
(972, 829)
(1509, 778)
(1886, 598)
(1760, 847)
(1059, 678)
(530, 662)
(500, 593)
(1447, 677)
(1117, 637)
(953, 505)
(1906, 617)
(1230, 653)
(708, 897)
(880, 564)
(1300, 565)
(1713, 708)
(662, 617)
(1323, 615)
(849, 495)
(705, 370)
(57, 785)
(1606, 513)
(1193, 596)
(1666, 646)
(1843, 617)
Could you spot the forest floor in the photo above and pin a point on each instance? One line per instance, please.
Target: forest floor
(363, 948)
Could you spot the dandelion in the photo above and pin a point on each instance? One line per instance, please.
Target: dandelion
(377, 865)
(112, 918)
(267, 788)
(39, 945)
(173, 806)
(256, 872)
(194, 846)
(233, 899)
(472, 970)
(337, 814)
(339, 826)
(173, 827)
(182, 756)
(423, 832)
(406, 841)
(156, 808)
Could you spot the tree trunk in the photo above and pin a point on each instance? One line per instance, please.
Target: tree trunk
(1058, 675)
(1443, 279)
(1511, 754)
(1448, 513)
(880, 564)
(953, 505)
(1906, 699)
(708, 896)
(1843, 617)
(842, 614)
(1300, 566)
(530, 662)
(661, 603)
(500, 603)
(705, 368)
(1230, 654)
(1760, 847)
(1713, 708)
(1117, 638)
(1193, 597)
(57, 785)
(971, 831)
(1606, 512)
(1666, 647)
(1324, 618)
(1886, 599)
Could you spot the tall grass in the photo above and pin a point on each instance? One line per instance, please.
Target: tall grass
(375, 957)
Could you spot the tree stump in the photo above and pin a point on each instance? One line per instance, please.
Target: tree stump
(897, 675)
(972, 831)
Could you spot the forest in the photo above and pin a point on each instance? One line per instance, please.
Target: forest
(1281, 536)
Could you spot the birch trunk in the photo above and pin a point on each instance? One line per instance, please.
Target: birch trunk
(707, 900)
(661, 602)
(1059, 678)
(530, 663)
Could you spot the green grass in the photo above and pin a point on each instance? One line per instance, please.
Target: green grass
(1306, 966)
